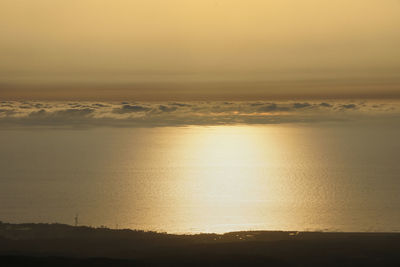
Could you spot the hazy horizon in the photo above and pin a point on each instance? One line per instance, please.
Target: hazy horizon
(192, 50)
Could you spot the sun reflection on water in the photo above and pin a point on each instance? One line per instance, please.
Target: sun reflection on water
(230, 175)
(232, 178)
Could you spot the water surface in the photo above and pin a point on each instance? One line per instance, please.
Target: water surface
(205, 179)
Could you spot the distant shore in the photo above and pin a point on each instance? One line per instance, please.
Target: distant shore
(65, 245)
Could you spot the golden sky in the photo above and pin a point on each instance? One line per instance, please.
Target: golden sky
(199, 48)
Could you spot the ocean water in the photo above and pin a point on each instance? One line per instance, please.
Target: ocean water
(205, 178)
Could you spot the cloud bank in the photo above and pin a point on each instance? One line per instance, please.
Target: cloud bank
(150, 114)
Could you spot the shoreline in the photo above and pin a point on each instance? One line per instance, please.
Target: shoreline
(65, 245)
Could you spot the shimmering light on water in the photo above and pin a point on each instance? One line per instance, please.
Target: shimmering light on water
(204, 179)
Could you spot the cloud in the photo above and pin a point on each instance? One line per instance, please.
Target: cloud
(324, 104)
(6, 104)
(130, 108)
(148, 114)
(99, 105)
(272, 108)
(75, 112)
(301, 105)
(167, 108)
(25, 106)
(256, 104)
(180, 104)
(7, 112)
(65, 113)
(38, 114)
(348, 106)
(38, 105)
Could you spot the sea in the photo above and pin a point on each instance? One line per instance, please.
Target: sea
(197, 179)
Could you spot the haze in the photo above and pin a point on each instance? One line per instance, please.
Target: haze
(157, 49)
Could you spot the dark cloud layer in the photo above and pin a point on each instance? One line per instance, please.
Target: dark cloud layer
(271, 108)
(324, 104)
(150, 114)
(301, 105)
(126, 108)
(348, 106)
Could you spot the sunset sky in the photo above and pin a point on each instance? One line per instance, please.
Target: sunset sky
(198, 49)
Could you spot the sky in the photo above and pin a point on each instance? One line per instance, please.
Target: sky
(198, 49)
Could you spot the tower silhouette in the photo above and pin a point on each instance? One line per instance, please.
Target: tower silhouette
(76, 219)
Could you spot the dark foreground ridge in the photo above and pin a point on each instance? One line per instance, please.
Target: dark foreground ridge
(64, 245)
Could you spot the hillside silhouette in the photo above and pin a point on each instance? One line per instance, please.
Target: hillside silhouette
(65, 245)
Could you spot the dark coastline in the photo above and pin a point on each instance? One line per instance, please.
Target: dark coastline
(64, 245)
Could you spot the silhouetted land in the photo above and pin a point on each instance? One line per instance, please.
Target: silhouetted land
(64, 245)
